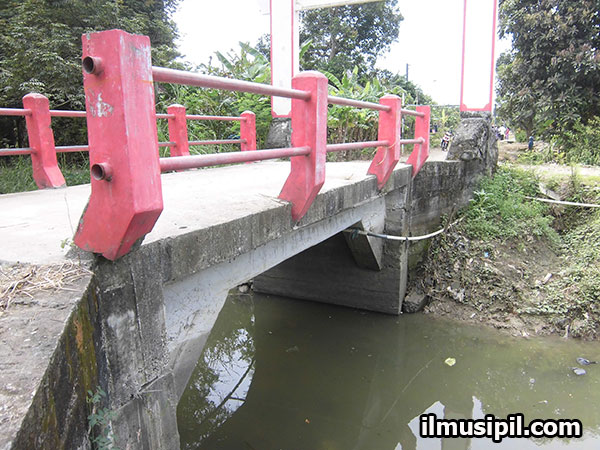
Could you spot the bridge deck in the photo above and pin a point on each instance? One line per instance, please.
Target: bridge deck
(35, 224)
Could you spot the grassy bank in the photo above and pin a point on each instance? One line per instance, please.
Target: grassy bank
(519, 264)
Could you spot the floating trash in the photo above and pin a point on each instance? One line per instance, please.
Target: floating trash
(450, 361)
(585, 362)
(578, 371)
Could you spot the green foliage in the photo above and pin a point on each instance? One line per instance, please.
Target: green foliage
(100, 421)
(582, 143)
(40, 49)
(351, 36)
(499, 209)
(549, 80)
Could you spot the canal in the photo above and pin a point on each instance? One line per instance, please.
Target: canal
(285, 374)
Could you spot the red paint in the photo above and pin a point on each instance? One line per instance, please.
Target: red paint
(122, 137)
(309, 129)
(248, 131)
(355, 146)
(215, 159)
(178, 133)
(163, 75)
(421, 151)
(41, 139)
(356, 103)
(390, 128)
(14, 112)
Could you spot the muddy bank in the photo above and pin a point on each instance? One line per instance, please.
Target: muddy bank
(526, 284)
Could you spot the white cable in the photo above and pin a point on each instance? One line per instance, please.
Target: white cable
(559, 202)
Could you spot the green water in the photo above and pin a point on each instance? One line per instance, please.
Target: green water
(284, 374)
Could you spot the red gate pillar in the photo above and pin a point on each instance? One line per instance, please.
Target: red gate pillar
(420, 152)
(248, 131)
(178, 131)
(41, 139)
(390, 128)
(126, 195)
(309, 129)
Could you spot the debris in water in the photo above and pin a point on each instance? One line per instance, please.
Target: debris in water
(293, 349)
(578, 371)
(450, 361)
(585, 362)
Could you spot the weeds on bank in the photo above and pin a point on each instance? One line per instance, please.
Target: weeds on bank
(101, 420)
(499, 209)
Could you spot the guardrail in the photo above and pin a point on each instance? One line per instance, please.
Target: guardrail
(126, 197)
(125, 167)
(42, 149)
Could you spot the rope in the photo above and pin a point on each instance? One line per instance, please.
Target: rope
(559, 202)
(356, 231)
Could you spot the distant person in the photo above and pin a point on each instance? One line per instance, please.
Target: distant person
(506, 133)
(501, 131)
(446, 140)
(530, 143)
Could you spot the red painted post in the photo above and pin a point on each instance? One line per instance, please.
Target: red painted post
(309, 128)
(41, 139)
(126, 195)
(248, 131)
(390, 129)
(178, 131)
(421, 151)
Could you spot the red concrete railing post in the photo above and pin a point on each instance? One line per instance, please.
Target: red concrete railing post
(309, 128)
(390, 129)
(248, 131)
(178, 131)
(41, 139)
(126, 197)
(420, 152)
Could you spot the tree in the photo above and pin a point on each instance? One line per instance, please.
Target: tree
(350, 36)
(550, 79)
(40, 45)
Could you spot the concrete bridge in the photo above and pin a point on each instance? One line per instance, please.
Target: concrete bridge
(135, 326)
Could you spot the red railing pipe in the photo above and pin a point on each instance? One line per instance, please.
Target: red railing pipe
(14, 112)
(218, 142)
(223, 118)
(355, 146)
(65, 113)
(356, 103)
(164, 75)
(197, 161)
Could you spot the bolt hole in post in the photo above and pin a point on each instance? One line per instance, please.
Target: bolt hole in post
(101, 171)
(92, 65)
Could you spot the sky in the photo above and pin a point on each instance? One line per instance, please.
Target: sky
(430, 39)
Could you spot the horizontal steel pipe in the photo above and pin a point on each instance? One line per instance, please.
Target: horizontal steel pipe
(411, 141)
(165, 116)
(166, 144)
(14, 112)
(163, 75)
(216, 159)
(16, 151)
(65, 113)
(356, 145)
(410, 112)
(217, 142)
(223, 118)
(72, 148)
(356, 103)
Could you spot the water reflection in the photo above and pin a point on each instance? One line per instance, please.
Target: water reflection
(284, 374)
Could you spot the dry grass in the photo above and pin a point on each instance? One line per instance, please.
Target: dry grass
(24, 280)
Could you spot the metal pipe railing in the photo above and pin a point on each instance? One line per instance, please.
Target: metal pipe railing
(223, 118)
(216, 159)
(14, 112)
(410, 112)
(65, 113)
(164, 75)
(72, 148)
(218, 142)
(356, 145)
(356, 103)
(16, 151)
